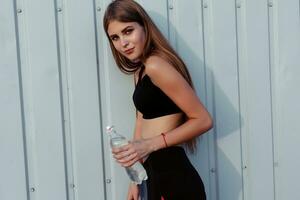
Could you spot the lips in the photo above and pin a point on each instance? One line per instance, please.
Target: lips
(129, 51)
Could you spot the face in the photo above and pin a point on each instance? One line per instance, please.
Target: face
(128, 38)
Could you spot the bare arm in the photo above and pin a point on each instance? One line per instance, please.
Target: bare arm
(178, 89)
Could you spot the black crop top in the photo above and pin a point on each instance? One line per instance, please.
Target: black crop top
(150, 100)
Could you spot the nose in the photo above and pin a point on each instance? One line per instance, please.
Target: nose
(124, 42)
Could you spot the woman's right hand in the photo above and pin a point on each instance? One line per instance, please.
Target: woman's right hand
(133, 192)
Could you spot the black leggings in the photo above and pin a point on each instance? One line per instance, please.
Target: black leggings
(172, 176)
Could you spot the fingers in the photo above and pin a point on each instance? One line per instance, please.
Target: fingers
(125, 154)
(121, 149)
(129, 163)
(130, 198)
(133, 197)
(129, 160)
(135, 192)
(128, 154)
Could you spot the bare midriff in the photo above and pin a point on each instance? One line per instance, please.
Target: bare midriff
(156, 126)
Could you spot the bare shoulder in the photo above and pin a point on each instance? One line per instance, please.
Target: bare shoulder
(156, 65)
(155, 60)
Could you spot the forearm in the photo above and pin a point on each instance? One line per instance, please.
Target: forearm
(137, 133)
(187, 131)
(192, 128)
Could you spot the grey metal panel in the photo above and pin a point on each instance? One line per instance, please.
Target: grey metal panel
(42, 103)
(286, 97)
(12, 168)
(256, 98)
(103, 49)
(243, 57)
(221, 42)
(80, 77)
(158, 12)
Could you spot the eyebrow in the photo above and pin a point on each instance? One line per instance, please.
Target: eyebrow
(121, 31)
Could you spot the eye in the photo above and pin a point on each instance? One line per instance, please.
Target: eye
(114, 38)
(128, 31)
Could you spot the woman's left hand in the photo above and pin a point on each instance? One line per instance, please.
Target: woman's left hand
(134, 151)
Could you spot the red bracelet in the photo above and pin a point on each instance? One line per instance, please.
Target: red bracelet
(164, 137)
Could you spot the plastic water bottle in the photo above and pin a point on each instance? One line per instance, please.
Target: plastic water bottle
(136, 172)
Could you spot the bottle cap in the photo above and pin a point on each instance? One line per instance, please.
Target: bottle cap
(109, 128)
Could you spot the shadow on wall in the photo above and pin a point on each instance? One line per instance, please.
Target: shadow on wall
(227, 122)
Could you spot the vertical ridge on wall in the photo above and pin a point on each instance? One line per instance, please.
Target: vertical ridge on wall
(272, 103)
(172, 17)
(221, 41)
(210, 101)
(98, 7)
(209, 65)
(13, 169)
(255, 97)
(239, 63)
(106, 118)
(274, 63)
(260, 152)
(242, 71)
(16, 10)
(65, 107)
(285, 78)
(20, 24)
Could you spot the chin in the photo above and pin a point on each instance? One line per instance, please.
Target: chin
(134, 59)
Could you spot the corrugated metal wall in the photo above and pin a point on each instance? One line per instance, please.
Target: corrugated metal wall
(60, 88)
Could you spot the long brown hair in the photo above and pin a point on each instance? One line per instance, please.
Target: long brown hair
(156, 43)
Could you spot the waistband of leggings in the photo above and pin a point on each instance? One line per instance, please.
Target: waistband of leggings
(167, 158)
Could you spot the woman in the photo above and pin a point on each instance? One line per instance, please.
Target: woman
(169, 112)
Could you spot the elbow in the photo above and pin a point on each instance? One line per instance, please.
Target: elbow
(210, 123)
(203, 123)
(206, 124)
